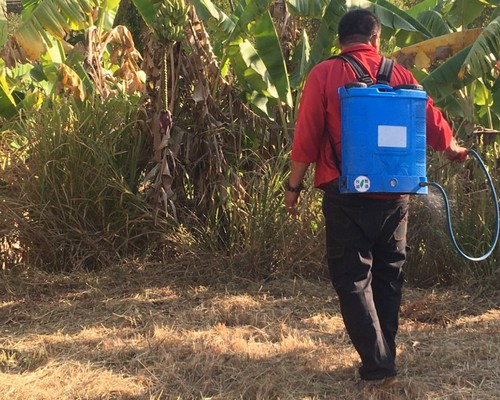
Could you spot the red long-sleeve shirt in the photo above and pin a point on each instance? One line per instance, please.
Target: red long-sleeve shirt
(319, 111)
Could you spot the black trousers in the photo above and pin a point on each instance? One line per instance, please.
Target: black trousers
(366, 249)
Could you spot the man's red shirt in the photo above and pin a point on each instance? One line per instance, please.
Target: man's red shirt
(319, 111)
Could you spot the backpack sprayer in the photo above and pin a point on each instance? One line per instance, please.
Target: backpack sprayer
(384, 141)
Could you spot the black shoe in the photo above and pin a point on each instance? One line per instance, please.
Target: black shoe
(383, 383)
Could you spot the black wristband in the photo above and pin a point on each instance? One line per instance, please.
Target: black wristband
(296, 189)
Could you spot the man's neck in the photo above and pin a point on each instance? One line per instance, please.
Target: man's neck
(352, 44)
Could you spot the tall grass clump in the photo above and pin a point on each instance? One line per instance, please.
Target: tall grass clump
(71, 185)
(433, 258)
(250, 226)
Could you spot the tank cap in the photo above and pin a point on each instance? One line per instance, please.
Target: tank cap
(409, 87)
(355, 85)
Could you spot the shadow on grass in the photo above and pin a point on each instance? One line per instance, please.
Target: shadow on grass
(225, 338)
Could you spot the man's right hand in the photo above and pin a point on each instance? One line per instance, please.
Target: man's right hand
(291, 199)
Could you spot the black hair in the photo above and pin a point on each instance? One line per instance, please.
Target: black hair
(358, 25)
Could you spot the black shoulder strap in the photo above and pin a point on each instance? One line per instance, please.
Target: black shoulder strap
(385, 71)
(362, 74)
(383, 75)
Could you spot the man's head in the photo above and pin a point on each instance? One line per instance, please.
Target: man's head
(359, 26)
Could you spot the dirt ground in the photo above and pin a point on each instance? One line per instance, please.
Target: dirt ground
(161, 332)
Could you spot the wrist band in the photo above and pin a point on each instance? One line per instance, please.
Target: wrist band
(296, 189)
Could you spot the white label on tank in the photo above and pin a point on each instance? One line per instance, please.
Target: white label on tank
(362, 183)
(392, 136)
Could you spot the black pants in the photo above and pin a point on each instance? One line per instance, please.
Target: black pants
(366, 249)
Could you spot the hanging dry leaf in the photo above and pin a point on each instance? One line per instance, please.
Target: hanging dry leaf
(424, 54)
(12, 53)
(69, 80)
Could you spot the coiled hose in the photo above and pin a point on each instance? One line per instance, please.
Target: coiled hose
(448, 215)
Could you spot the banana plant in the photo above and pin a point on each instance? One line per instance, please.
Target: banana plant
(436, 41)
(38, 38)
(7, 101)
(167, 20)
(252, 47)
(458, 62)
(41, 20)
(41, 42)
(248, 41)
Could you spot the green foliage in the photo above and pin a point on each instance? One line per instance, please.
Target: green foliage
(72, 172)
(51, 51)
(253, 228)
(433, 259)
(462, 12)
(71, 184)
(4, 25)
(322, 46)
(252, 46)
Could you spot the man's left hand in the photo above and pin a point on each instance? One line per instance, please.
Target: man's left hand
(455, 152)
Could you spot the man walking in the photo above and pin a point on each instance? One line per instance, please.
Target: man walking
(365, 233)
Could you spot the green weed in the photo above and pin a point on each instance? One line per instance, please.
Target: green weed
(71, 193)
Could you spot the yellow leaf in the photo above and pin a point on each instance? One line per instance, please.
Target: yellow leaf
(31, 41)
(425, 53)
(421, 60)
(69, 80)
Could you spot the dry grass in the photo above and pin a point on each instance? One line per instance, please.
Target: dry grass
(145, 333)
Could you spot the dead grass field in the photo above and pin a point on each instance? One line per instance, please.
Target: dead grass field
(161, 332)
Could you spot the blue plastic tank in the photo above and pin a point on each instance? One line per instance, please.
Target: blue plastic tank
(383, 139)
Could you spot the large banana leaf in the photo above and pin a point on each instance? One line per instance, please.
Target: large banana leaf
(260, 67)
(322, 46)
(300, 61)
(206, 10)
(256, 21)
(247, 15)
(49, 17)
(399, 23)
(269, 48)
(459, 104)
(107, 14)
(443, 81)
(484, 52)
(463, 12)
(391, 17)
(7, 101)
(308, 8)
(147, 9)
(425, 5)
(426, 53)
(434, 22)
(252, 75)
(397, 19)
(496, 98)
